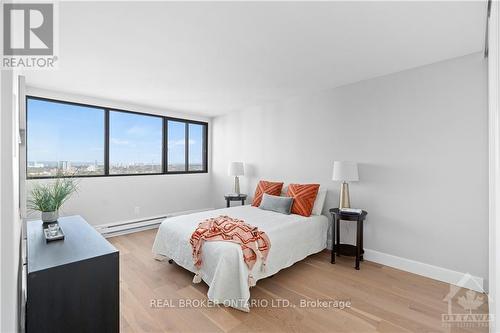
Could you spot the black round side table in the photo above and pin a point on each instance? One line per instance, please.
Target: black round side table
(235, 197)
(347, 249)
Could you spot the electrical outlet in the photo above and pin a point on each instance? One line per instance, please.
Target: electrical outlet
(137, 210)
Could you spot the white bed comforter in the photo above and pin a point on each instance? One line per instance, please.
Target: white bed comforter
(293, 237)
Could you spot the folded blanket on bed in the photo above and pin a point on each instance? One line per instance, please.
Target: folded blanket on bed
(224, 228)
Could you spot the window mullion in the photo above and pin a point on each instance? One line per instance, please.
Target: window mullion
(205, 148)
(106, 142)
(186, 159)
(165, 146)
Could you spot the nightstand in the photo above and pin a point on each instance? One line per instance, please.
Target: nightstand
(235, 197)
(347, 249)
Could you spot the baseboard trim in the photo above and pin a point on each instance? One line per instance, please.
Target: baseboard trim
(130, 226)
(130, 230)
(434, 272)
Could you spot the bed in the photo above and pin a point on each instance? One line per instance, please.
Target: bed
(293, 237)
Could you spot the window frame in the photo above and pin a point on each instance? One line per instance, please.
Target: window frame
(107, 143)
(164, 152)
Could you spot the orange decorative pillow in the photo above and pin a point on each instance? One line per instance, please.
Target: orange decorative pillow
(303, 198)
(264, 186)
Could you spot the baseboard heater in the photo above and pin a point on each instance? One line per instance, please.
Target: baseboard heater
(125, 227)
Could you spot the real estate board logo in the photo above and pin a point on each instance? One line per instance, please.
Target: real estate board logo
(467, 308)
(29, 35)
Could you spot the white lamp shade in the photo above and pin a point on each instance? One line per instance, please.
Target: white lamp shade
(236, 169)
(345, 171)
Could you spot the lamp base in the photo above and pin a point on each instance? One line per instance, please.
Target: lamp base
(344, 201)
(236, 185)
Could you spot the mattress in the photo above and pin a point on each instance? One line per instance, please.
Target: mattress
(293, 237)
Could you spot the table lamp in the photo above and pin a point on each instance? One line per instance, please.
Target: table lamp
(345, 172)
(236, 169)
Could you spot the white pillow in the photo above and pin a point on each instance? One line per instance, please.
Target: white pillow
(319, 202)
(284, 190)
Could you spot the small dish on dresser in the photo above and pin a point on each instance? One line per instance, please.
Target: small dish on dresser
(53, 232)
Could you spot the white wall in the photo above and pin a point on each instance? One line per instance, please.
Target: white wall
(494, 145)
(10, 222)
(420, 137)
(104, 200)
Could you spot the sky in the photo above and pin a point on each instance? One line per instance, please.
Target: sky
(65, 132)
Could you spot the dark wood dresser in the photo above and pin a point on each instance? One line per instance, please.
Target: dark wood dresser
(72, 284)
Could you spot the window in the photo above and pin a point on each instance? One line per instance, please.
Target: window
(186, 146)
(176, 146)
(135, 143)
(86, 140)
(196, 149)
(64, 137)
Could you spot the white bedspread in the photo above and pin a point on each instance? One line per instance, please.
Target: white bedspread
(293, 237)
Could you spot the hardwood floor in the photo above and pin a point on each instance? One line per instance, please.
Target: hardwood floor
(382, 299)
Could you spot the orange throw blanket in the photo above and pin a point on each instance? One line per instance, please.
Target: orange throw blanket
(224, 228)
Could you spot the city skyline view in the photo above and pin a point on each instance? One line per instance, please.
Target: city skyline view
(71, 138)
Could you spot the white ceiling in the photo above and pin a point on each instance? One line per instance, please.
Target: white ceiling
(213, 58)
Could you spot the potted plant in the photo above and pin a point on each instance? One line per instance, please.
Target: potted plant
(48, 198)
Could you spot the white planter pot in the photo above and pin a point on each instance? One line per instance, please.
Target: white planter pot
(48, 217)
